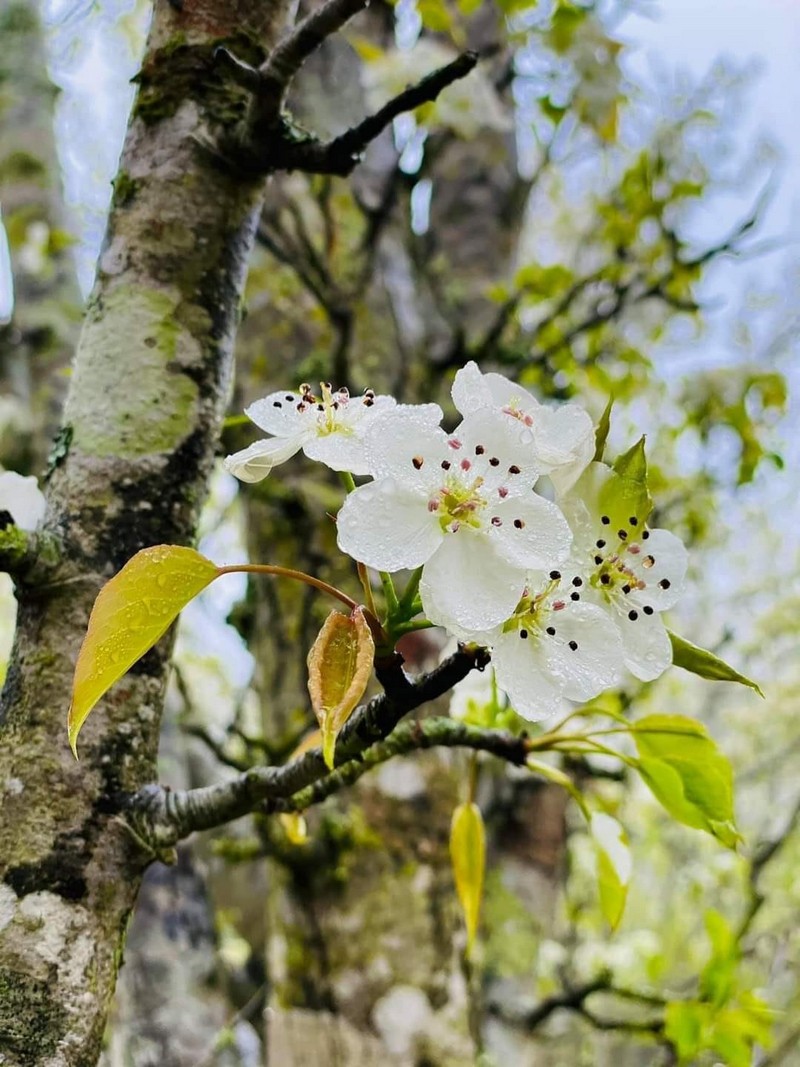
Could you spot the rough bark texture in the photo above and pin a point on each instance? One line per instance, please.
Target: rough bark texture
(40, 339)
(149, 388)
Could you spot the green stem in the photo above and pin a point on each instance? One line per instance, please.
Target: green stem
(409, 597)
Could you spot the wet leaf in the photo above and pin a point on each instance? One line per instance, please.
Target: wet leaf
(468, 856)
(132, 612)
(339, 667)
(687, 773)
(705, 664)
(614, 866)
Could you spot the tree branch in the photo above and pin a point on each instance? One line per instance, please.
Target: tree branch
(159, 817)
(341, 155)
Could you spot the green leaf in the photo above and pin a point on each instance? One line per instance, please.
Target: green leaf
(685, 1023)
(468, 856)
(706, 664)
(339, 667)
(435, 16)
(631, 467)
(601, 431)
(613, 866)
(132, 612)
(687, 773)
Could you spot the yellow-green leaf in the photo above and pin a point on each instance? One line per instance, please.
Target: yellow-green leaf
(339, 667)
(687, 773)
(468, 856)
(613, 866)
(601, 431)
(294, 826)
(705, 664)
(132, 611)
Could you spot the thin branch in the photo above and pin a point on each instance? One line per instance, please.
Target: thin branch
(341, 155)
(160, 817)
(287, 58)
(409, 737)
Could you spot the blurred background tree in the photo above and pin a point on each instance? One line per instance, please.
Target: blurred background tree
(554, 216)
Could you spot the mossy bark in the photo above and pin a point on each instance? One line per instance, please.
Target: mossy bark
(150, 384)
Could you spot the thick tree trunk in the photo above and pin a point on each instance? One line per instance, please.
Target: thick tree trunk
(149, 388)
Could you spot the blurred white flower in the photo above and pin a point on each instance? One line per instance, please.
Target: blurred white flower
(6, 277)
(22, 499)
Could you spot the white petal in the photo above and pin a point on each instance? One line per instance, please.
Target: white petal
(466, 585)
(565, 443)
(540, 543)
(669, 561)
(257, 460)
(645, 644)
(489, 435)
(470, 391)
(408, 432)
(522, 671)
(596, 663)
(340, 451)
(278, 414)
(506, 393)
(387, 526)
(22, 499)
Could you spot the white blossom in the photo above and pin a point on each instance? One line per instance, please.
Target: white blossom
(562, 438)
(554, 647)
(461, 505)
(632, 572)
(328, 428)
(22, 499)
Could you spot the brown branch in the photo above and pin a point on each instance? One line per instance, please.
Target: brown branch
(160, 817)
(341, 155)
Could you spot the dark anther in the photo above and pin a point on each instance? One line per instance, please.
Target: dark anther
(555, 575)
(445, 464)
(289, 398)
(665, 583)
(574, 596)
(494, 461)
(633, 615)
(277, 404)
(601, 543)
(320, 407)
(551, 630)
(633, 520)
(513, 469)
(605, 520)
(523, 633)
(479, 450)
(519, 523)
(605, 579)
(574, 646)
(417, 461)
(577, 581)
(626, 589)
(598, 560)
(622, 535)
(645, 534)
(647, 610)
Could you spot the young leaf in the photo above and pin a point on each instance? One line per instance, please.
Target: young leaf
(339, 667)
(687, 773)
(706, 664)
(468, 856)
(632, 493)
(613, 866)
(132, 611)
(601, 431)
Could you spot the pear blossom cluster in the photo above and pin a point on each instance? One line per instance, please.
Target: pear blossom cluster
(521, 540)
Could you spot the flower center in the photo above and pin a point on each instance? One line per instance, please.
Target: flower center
(459, 504)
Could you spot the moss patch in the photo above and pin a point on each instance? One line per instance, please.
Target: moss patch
(30, 1022)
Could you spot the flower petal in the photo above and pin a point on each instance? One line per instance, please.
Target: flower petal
(661, 564)
(341, 450)
(277, 413)
(403, 435)
(522, 671)
(22, 499)
(470, 391)
(596, 660)
(531, 532)
(645, 644)
(565, 444)
(467, 585)
(255, 462)
(387, 526)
